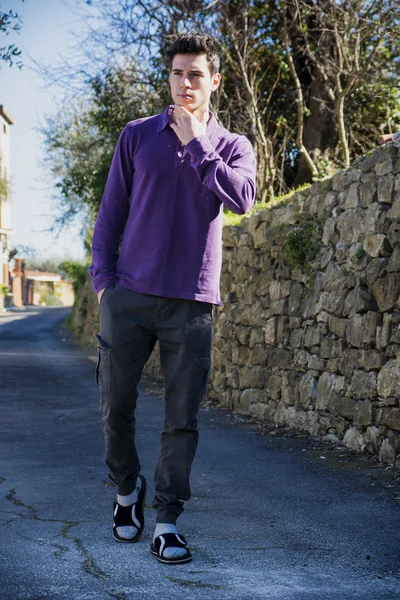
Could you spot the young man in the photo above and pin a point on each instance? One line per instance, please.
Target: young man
(157, 252)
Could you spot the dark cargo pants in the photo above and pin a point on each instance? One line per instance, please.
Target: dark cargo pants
(130, 324)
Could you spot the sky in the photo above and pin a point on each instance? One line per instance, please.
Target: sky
(47, 35)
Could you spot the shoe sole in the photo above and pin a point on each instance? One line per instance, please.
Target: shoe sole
(179, 561)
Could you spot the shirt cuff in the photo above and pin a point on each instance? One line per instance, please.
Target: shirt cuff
(100, 282)
(198, 146)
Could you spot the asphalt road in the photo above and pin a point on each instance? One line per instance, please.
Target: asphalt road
(271, 517)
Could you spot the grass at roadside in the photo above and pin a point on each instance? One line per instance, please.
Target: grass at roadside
(231, 218)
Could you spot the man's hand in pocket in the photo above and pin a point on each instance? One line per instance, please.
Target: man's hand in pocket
(99, 294)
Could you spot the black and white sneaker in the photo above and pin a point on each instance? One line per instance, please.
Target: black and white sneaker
(130, 516)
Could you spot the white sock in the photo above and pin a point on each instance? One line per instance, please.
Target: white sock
(162, 528)
(128, 531)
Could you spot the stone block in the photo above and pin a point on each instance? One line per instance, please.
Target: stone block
(290, 387)
(270, 331)
(354, 440)
(351, 196)
(253, 223)
(384, 168)
(368, 192)
(229, 236)
(242, 334)
(300, 359)
(280, 307)
(394, 212)
(394, 438)
(349, 362)
(296, 298)
(388, 383)
(372, 321)
(386, 190)
(343, 407)
(375, 269)
(219, 380)
(245, 402)
(258, 355)
(280, 358)
(260, 234)
(279, 289)
(351, 225)
(394, 262)
(274, 387)
(387, 454)
(295, 322)
(245, 377)
(326, 258)
(371, 360)
(338, 326)
(377, 244)
(363, 384)
(296, 338)
(385, 332)
(373, 439)
(307, 390)
(330, 233)
(332, 302)
(310, 304)
(355, 330)
(312, 336)
(387, 291)
(256, 337)
(282, 331)
(333, 365)
(240, 355)
(316, 363)
(327, 347)
(326, 390)
(359, 300)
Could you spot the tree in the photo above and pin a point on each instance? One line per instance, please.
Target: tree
(10, 21)
(312, 83)
(79, 141)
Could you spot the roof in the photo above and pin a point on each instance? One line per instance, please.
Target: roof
(6, 115)
(42, 276)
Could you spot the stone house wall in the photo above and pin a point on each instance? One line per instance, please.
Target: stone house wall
(317, 347)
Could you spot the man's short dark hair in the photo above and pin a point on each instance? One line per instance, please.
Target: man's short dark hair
(195, 43)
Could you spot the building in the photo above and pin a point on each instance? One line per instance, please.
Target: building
(6, 121)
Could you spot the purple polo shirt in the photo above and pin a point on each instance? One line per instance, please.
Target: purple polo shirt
(165, 201)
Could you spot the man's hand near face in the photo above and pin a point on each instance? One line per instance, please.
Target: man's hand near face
(186, 125)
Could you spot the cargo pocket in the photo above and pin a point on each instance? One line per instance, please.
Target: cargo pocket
(103, 367)
(202, 365)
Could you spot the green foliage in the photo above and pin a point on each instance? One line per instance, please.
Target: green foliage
(75, 271)
(10, 21)
(231, 218)
(303, 243)
(79, 143)
(49, 299)
(3, 289)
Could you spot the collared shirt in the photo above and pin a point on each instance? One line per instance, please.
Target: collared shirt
(159, 227)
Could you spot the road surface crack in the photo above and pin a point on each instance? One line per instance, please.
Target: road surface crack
(89, 565)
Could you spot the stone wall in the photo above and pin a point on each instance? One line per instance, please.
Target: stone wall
(316, 347)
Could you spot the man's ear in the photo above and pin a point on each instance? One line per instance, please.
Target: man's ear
(216, 81)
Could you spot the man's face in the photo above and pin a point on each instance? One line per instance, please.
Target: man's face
(191, 81)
